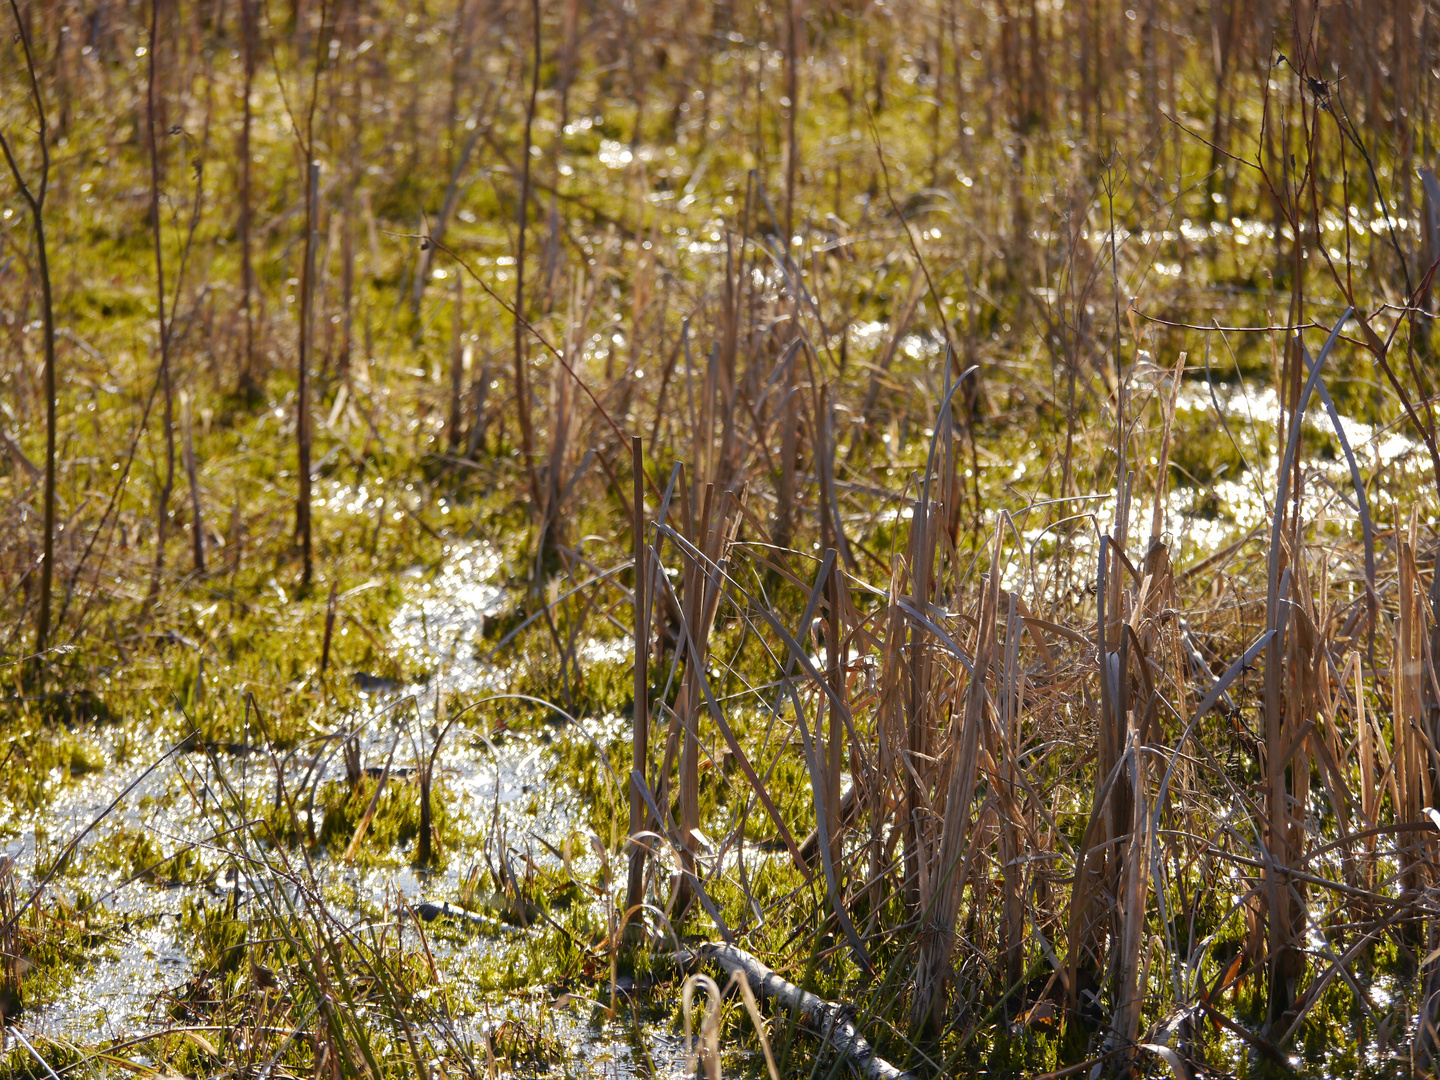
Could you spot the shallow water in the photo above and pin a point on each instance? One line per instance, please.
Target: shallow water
(503, 783)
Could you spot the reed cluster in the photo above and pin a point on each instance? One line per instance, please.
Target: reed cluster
(998, 437)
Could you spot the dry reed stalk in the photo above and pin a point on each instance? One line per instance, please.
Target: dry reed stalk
(717, 716)
(1365, 738)
(197, 519)
(704, 546)
(1415, 694)
(687, 704)
(34, 197)
(1288, 661)
(1284, 956)
(1326, 748)
(162, 504)
(457, 365)
(917, 754)
(329, 627)
(1306, 687)
(11, 954)
(907, 733)
(1097, 856)
(892, 780)
(1006, 784)
(303, 420)
(246, 380)
(1140, 650)
(554, 477)
(1425, 1043)
(813, 760)
(347, 280)
(640, 729)
(522, 219)
(1129, 973)
(832, 757)
(789, 453)
(944, 879)
(1413, 749)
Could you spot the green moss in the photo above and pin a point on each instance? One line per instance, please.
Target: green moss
(1203, 453)
(394, 824)
(234, 654)
(137, 855)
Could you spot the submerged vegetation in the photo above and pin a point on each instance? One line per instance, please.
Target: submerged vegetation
(500, 499)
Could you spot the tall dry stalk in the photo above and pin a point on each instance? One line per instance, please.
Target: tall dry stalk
(522, 219)
(710, 534)
(1004, 749)
(640, 730)
(11, 950)
(163, 324)
(249, 33)
(304, 431)
(454, 421)
(1413, 751)
(943, 878)
(34, 197)
(197, 518)
(1287, 692)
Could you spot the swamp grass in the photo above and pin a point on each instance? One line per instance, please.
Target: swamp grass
(1031, 662)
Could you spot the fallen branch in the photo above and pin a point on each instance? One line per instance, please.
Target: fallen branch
(489, 922)
(430, 911)
(826, 1019)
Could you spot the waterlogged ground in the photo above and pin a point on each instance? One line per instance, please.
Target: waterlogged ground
(163, 853)
(497, 782)
(909, 164)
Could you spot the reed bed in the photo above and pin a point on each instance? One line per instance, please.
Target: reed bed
(959, 482)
